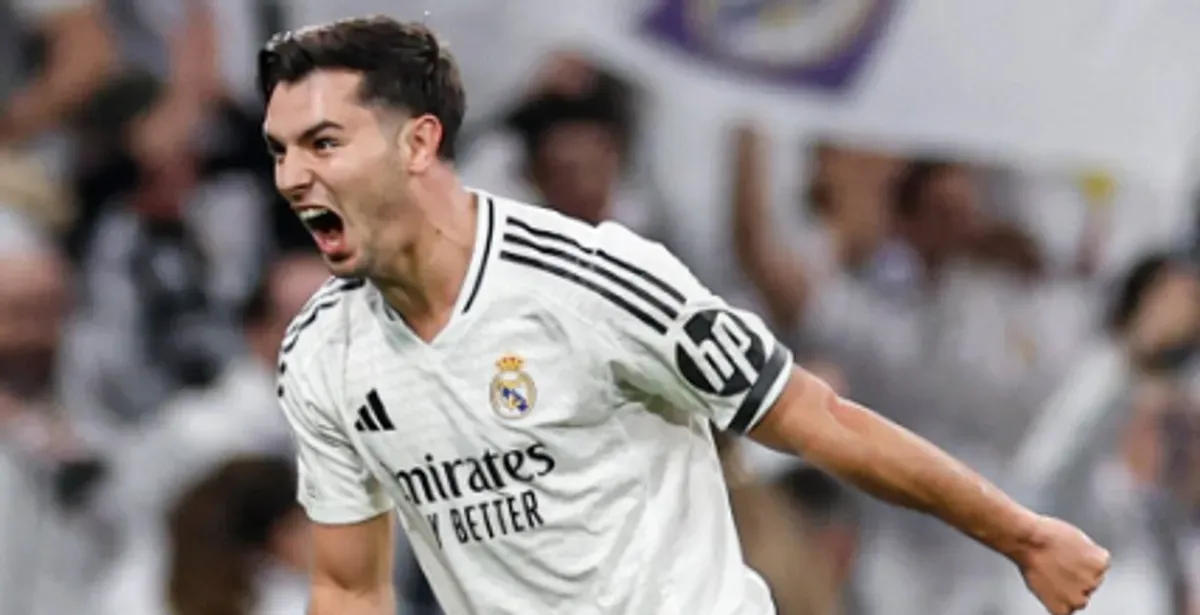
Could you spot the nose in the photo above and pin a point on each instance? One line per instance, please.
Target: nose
(293, 178)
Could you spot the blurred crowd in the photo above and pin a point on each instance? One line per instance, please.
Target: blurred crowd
(1030, 322)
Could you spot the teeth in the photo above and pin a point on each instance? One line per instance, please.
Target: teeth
(311, 213)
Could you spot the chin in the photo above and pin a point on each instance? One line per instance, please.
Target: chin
(347, 267)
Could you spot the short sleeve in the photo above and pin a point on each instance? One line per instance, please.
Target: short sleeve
(335, 486)
(674, 339)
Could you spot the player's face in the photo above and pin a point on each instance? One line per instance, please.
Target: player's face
(342, 166)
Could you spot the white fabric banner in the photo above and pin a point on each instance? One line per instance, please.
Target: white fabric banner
(1058, 87)
(1112, 83)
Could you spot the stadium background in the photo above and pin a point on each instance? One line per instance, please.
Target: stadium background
(976, 217)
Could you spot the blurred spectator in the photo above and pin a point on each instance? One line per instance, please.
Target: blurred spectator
(164, 272)
(197, 430)
(172, 117)
(905, 280)
(53, 56)
(47, 546)
(573, 151)
(935, 312)
(55, 53)
(1095, 223)
(239, 543)
(776, 541)
(849, 205)
(1100, 453)
(831, 519)
(1151, 336)
(236, 413)
(569, 146)
(162, 284)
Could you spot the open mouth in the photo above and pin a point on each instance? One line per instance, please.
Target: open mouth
(327, 229)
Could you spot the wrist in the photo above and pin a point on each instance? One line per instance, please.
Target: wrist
(1026, 537)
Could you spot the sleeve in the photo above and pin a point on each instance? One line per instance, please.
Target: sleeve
(674, 339)
(335, 486)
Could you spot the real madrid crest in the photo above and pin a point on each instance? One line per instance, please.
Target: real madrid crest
(513, 393)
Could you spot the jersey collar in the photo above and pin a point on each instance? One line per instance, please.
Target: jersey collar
(470, 291)
(485, 227)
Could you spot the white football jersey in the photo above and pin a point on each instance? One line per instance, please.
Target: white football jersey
(549, 451)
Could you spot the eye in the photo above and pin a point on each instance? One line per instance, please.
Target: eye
(324, 144)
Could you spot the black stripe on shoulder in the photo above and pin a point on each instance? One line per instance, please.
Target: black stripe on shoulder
(483, 258)
(562, 256)
(560, 272)
(329, 295)
(650, 278)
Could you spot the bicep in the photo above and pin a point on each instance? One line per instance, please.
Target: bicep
(354, 557)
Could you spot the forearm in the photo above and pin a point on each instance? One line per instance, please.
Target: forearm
(331, 600)
(81, 57)
(776, 273)
(893, 464)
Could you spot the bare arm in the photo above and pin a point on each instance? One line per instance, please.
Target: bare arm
(195, 82)
(893, 464)
(81, 56)
(776, 272)
(352, 568)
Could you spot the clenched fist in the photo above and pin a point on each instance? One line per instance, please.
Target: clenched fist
(1062, 566)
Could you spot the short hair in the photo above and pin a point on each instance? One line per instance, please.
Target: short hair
(915, 180)
(1135, 287)
(821, 498)
(402, 65)
(608, 104)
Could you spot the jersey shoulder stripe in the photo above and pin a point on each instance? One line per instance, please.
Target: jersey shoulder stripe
(576, 258)
(329, 295)
(604, 255)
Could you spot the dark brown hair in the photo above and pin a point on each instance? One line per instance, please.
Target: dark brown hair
(912, 184)
(218, 530)
(402, 64)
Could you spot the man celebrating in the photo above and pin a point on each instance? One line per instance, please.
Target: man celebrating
(531, 394)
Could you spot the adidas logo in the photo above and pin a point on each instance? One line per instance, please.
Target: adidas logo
(373, 417)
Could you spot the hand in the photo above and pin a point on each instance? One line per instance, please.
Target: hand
(1062, 566)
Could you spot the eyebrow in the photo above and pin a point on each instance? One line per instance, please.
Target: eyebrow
(309, 133)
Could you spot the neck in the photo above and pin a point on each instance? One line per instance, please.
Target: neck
(424, 282)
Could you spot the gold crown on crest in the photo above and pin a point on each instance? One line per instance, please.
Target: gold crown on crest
(510, 363)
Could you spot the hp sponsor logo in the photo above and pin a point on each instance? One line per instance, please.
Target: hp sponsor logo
(719, 354)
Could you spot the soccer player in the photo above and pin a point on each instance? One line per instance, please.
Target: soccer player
(531, 395)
